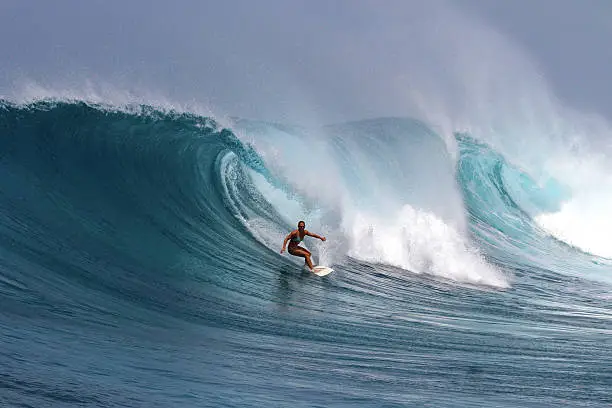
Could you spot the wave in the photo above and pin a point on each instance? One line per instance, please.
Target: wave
(147, 184)
(163, 229)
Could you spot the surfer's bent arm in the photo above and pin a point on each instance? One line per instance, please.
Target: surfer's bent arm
(287, 238)
(315, 235)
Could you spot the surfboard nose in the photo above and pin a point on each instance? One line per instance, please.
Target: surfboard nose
(321, 270)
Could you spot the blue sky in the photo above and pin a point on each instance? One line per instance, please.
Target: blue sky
(315, 60)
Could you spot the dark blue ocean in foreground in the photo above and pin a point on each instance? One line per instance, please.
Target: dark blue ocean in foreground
(140, 266)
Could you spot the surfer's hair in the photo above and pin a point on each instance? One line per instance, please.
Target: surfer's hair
(301, 222)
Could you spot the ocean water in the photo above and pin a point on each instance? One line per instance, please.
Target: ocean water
(140, 266)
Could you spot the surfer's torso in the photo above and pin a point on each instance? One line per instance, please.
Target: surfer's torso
(296, 238)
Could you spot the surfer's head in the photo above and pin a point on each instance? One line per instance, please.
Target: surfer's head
(301, 225)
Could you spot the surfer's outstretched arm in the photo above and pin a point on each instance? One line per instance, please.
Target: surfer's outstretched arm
(314, 235)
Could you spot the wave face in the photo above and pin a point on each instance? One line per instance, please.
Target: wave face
(140, 266)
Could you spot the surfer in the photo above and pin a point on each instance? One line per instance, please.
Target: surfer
(297, 236)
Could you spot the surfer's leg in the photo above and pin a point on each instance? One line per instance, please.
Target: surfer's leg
(307, 258)
(304, 253)
(308, 261)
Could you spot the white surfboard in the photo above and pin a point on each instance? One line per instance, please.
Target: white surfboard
(321, 270)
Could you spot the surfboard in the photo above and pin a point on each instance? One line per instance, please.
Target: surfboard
(321, 270)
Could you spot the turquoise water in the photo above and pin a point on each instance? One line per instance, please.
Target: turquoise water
(140, 266)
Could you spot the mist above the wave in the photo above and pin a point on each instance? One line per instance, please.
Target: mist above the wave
(296, 62)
